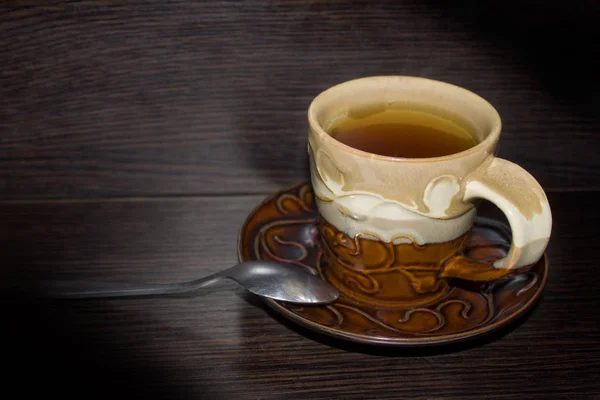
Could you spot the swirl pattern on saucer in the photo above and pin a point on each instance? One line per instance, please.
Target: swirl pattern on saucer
(284, 228)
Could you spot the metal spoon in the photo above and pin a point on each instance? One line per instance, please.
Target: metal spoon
(273, 280)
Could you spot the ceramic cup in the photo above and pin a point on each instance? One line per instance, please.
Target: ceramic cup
(394, 229)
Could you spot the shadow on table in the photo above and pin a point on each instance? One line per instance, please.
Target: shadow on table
(556, 39)
(49, 350)
(388, 351)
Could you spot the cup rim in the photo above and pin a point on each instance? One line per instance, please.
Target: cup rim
(492, 137)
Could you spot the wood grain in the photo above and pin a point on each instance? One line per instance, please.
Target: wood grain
(135, 137)
(222, 344)
(101, 98)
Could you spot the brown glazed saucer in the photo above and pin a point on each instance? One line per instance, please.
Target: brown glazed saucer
(283, 228)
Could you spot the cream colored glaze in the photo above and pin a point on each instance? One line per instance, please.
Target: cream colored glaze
(400, 180)
(530, 231)
(426, 198)
(389, 221)
(439, 195)
(514, 183)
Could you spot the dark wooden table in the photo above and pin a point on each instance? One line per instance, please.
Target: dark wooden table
(135, 137)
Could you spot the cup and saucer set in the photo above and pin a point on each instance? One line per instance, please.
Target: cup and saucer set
(390, 217)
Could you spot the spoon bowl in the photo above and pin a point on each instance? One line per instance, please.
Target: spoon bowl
(280, 282)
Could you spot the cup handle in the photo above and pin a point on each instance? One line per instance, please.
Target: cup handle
(514, 191)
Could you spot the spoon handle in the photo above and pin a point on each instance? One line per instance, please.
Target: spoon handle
(82, 289)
